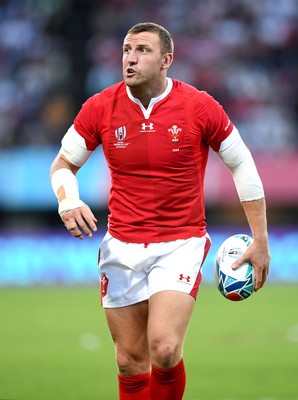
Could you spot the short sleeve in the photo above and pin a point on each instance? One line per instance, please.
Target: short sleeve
(87, 122)
(218, 125)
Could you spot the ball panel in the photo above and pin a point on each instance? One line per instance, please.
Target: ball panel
(234, 296)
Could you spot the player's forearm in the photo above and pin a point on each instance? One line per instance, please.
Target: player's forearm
(65, 184)
(255, 212)
(63, 176)
(76, 215)
(61, 162)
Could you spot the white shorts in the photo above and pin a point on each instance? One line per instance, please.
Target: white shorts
(132, 272)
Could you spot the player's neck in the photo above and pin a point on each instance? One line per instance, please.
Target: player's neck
(147, 92)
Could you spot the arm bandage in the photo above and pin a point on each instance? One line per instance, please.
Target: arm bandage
(236, 156)
(65, 186)
(74, 147)
(64, 182)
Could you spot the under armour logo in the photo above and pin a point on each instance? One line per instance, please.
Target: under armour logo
(184, 278)
(147, 127)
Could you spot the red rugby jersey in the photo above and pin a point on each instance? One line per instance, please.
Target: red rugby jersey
(157, 158)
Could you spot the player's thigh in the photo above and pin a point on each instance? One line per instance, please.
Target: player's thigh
(169, 316)
(128, 328)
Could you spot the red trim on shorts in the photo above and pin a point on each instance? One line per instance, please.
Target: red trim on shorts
(195, 289)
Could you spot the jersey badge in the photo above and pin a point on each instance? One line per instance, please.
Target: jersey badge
(120, 133)
(175, 135)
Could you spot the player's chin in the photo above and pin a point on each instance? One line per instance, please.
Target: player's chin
(131, 80)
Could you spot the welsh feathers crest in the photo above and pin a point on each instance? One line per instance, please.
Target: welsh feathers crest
(175, 135)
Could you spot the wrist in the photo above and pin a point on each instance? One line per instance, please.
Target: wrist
(261, 238)
(65, 184)
(68, 204)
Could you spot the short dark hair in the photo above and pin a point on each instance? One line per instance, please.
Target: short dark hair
(167, 45)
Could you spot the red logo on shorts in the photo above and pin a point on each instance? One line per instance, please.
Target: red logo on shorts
(103, 285)
(184, 278)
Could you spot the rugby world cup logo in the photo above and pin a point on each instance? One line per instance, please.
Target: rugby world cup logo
(236, 252)
(120, 133)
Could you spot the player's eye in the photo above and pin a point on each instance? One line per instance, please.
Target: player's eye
(143, 50)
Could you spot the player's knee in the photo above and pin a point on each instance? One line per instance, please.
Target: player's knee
(165, 353)
(131, 363)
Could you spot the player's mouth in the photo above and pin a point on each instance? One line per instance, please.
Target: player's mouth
(130, 72)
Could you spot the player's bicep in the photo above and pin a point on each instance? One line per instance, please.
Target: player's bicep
(73, 148)
(233, 150)
(237, 157)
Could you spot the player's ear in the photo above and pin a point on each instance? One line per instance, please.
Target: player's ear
(167, 61)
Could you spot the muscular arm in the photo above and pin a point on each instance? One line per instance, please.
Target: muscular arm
(59, 163)
(76, 215)
(236, 156)
(258, 252)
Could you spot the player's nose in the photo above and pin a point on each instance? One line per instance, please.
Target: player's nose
(132, 57)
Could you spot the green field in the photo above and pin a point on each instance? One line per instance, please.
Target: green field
(55, 346)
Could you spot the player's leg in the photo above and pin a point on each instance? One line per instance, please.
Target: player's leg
(124, 296)
(169, 315)
(173, 283)
(128, 327)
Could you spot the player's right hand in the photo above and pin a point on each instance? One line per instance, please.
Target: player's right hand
(80, 221)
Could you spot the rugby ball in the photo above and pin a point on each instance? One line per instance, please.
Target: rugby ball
(235, 284)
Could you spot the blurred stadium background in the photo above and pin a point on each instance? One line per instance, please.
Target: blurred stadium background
(56, 53)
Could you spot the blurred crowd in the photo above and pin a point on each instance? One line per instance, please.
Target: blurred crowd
(56, 53)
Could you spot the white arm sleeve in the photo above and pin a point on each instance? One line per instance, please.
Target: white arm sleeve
(236, 156)
(74, 147)
(63, 180)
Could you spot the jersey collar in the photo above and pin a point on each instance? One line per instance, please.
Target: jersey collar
(147, 111)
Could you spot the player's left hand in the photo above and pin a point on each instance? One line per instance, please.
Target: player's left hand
(258, 255)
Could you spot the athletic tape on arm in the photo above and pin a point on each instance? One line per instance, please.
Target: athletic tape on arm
(74, 147)
(65, 187)
(64, 182)
(236, 156)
